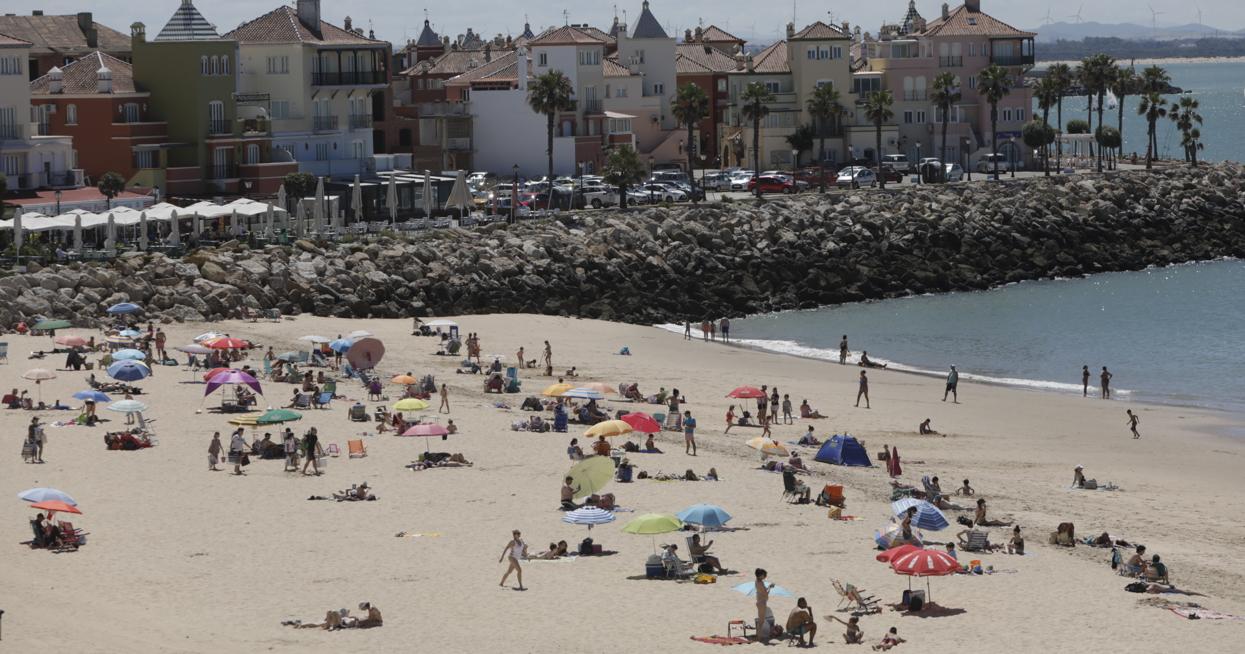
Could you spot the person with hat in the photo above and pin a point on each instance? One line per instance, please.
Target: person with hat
(1078, 477)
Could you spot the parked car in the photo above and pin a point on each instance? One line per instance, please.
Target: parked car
(739, 181)
(891, 174)
(897, 161)
(771, 184)
(715, 181)
(855, 177)
(599, 195)
(986, 163)
(668, 176)
(663, 193)
(953, 172)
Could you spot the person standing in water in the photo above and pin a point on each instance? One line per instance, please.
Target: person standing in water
(953, 380)
(1085, 381)
(843, 351)
(1133, 421)
(863, 390)
(1105, 378)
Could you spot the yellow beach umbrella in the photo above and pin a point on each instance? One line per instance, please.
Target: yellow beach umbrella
(768, 446)
(591, 475)
(410, 404)
(609, 428)
(556, 390)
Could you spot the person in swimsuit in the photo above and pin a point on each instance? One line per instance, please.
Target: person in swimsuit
(1105, 379)
(762, 593)
(843, 351)
(312, 442)
(689, 433)
(1133, 420)
(906, 525)
(1017, 544)
(515, 550)
(925, 428)
(1084, 381)
(863, 391)
(953, 381)
(730, 419)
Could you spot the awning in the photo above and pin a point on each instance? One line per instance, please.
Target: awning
(615, 114)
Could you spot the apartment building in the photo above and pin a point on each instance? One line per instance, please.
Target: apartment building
(29, 159)
(57, 41)
(705, 58)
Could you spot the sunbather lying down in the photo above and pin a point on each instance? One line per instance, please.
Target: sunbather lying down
(356, 493)
(341, 619)
(455, 460)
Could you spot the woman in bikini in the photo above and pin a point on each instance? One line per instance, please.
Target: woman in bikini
(515, 551)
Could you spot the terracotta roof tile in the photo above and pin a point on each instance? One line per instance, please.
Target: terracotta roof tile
(80, 77)
(715, 34)
(772, 59)
(962, 22)
(5, 39)
(611, 68)
(454, 62)
(61, 34)
(500, 69)
(281, 25)
(819, 31)
(568, 35)
(697, 58)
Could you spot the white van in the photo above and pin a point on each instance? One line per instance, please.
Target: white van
(986, 163)
(897, 161)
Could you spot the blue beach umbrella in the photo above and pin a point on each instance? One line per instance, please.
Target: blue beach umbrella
(705, 515)
(584, 394)
(927, 515)
(341, 345)
(124, 307)
(129, 333)
(35, 495)
(749, 588)
(93, 396)
(588, 515)
(128, 354)
(128, 371)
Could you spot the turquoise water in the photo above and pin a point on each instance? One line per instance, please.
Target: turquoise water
(1220, 90)
(1170, 335)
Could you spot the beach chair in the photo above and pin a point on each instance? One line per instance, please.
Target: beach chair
(677, 568)
(855, 598)
(322, 400)
(792, 487)
(357, 448)
(978, 540)
(333, 450)
(4, 352)
(70, 537)
(358, 413)
(37, 541)
(831, 495)
(303, 401)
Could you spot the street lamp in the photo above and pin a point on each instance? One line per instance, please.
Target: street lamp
(650, 180)
(918, 162)
(58, 203)
(795, 162)
(514, 195)
(1011, 155)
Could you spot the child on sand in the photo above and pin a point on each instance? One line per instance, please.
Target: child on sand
(890, 640)
(853, 635)
(1133, 420)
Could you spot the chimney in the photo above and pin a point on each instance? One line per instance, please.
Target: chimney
(847, 27)
(946, 11)
(37, 12)
(751, 65)
(488, 52)
(790, 30)
(346, 24)
(687, 36)
(86, 23)
(520, 71)
(103, 79)
(56, 80)
(138, 32)
(309, 14)
(972, 5)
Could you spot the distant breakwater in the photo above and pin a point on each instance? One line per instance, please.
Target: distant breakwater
(660, 264)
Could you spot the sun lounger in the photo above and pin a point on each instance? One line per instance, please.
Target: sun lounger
(356, 447)
(71, 537)
(323, 399)
(792, 487)
(333, 450)
(978, 540)
(358, 413)
(303, 401)
(855, 597)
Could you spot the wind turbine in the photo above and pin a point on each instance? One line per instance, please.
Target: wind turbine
(1154, 23)
(1048, 19)
(1076, 18)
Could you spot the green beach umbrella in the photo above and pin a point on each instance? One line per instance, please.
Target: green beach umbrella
(52, 325)
(277, 416)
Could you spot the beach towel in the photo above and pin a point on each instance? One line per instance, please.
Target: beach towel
(892, 463)
(1198, 613)
(721, 640)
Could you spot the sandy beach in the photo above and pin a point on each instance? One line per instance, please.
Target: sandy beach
(180, 559)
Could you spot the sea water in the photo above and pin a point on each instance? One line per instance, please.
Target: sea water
(1171, 335)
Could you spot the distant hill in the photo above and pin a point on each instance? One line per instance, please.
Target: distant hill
(1063, 31)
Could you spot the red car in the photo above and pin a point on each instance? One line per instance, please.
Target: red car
(771, 184)
(810, 175)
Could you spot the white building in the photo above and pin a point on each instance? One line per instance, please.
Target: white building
(647, 54)
(320, 80)
(28, 159)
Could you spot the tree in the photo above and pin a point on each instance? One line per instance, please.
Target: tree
(1107, 138)
(622, 169)
(756, 99)
(1061, 79)
(878, 110)
(1038, 134)
(826, 111)
(550, 94)
(4, 185)
(994, 83)
(1126, 83)
(1189, 121)
(800, 140)
(691, 105)
(1047, 94)
(110, 184)
(299, 185)
(1154, 109)
(945, 95)
(1155, 79)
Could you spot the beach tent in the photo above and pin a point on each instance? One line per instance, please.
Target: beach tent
(843, 451)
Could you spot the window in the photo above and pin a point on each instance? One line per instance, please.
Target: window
(1020, 114)
(542, 59)
(145, 158)
(322, 152)
(638, 57)
(12, 165)
(722, 85)
(278, 65)
(620, 92)
(404, 137)
(279, 110)
(779, 119)
(252, 153)
(131, 112)
(920, 117)
(972, 81)
(224, 65)
(71, 114)
(659, 88)
(10, 66)
(866, 85)
(589, 57)
(204, 68)
(907, 117)
(357, 149)
(836, 52)
(773, 86)
(1007, 114)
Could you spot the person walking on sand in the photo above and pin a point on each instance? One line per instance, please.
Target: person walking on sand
(1133, 421)
(214, 450)
(725, 326)
(762, 593)
(1085, 381)
(730, 419)
(1105, 380)
(445, 399)
(548, 357)
(689, 433)
(953, 380)
(520, 356)
(687, 330)
(40, 438)
(515, 551)
(291, 450)
(237, 450)
(704, 330)
(863, 391)
(713, 331)
(787, 418)
(843, 351)
(312, 442)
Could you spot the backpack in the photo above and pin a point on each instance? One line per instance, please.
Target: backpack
(1116, 559)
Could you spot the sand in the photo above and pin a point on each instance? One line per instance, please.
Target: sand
(181, 559)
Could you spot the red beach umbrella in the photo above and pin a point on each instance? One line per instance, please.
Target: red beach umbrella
(889, 555)
(746, 392)
(924, 563)
(642, 422)
(365, 353)
(224, 343)
(427, 430)
(55, 505)
(214, 372)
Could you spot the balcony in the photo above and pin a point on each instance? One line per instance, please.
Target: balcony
(33, 181)
(1012, 60)
(591, 106)
(222, 171)
(914, 96)
(360, 121)
(43, 129)
(324, 123)
(12, 131)
(430, 109)
(458, 144)
(220, 127)
(950, 62)
(350, 78)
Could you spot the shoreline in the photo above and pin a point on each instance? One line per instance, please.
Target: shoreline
(1153, 61)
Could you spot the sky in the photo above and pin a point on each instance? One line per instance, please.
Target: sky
(396, 21)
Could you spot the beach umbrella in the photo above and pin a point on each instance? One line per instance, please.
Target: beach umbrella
(746, 393)
(278, 416)
(885, 557)
(359, 333)
(887, 535)
(927, 515)
(556, 390)
(215, 371)
(194, 349)
(281, 198)
(651, 524)
(207, 336)
(234, 228)
(70, 341)
(600, 387)
(231, 377)
(129, 333)
(318, 210)
(142, 231)
(365, 353)
(51, 325)
(175, 229)
(246, 420)
(127, 406)
(226, 343)
(588, 515)
(768, 446)
(341, 345)
(38, 375)
(705, 515)
(584, 394)
(110, 241)
(56, 506)
(608, 428)
(77, 232)
(356, 200)
(427, 430)
(642, 422)
(316, 339)
(124, 307)
(440, 322)
(591, 475)
(410, 404)
(19, 234)
(924, 563)
(749, 588)
(46, 495)
(288, 357)
(403, 380)
(196, 227)
(268, 220)
(92, 395)
(300, 218)
(128, 371)
(391, 199)
(460, 197)
(428, 204)
(128, 353)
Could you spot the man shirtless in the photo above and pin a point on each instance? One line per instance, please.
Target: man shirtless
(1133, 421)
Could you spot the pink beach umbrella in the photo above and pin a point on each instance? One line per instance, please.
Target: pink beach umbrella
(427, 430)
(231, 376)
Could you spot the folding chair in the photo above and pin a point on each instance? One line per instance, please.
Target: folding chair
(333, 450)
(357, 448)
(978, 541)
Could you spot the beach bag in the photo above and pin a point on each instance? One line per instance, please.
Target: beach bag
(585, 547)
(1116, 559)
(244, 460)
(967, 522)
(704, 578)
(1091, 484)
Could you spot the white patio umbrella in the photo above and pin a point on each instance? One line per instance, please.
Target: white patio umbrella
(318, 210)
(428, 206)
(268, 218)
(175, 229)
(300, 219)
(356, 200)
(391, 198)
(18, 234)
(281, 199)
(460, 197)
(234, 229)
(77, 232)
(110, 241)
(142, 231)
(196, 225)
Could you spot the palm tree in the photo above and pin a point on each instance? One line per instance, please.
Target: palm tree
(878, 110)
(1156, 79)
(945, 95)
(1047, 94)
(1097, 73)
(1126, 83)
(1061, 78)
(756, 99)
(994, 84)
(622, 169)
(550, 94)
(1188, 120)
(691, 105)
(826, 110)
(1038, 134)
(801, 140)
(1154, 109)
